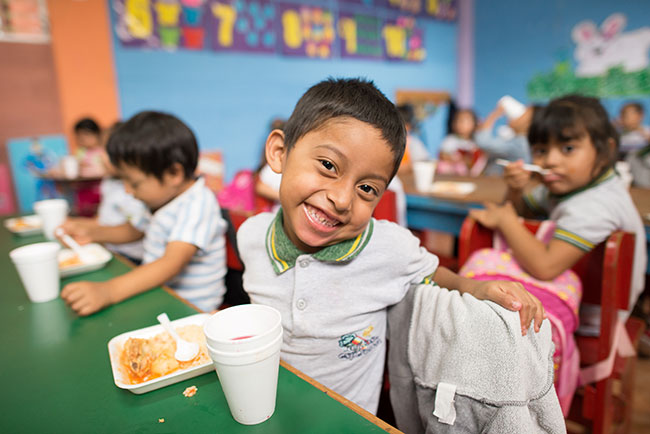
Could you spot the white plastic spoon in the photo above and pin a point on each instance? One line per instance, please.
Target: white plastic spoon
(70, 242)
(185, 351)
(529, 167)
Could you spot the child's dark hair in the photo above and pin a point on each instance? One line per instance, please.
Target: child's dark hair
(88, 125)
(454, 111)
(352, 98)
(153, 142)
(571, 117)
(635, 105)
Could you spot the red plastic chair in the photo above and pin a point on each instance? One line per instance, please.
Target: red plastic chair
(386, 209)
(606, 271)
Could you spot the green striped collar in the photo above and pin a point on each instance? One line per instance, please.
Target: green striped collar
(609, 174)
(283, 253)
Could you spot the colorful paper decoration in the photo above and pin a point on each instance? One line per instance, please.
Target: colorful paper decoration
(360, 36)
(404, 40)
(243, 25)
(306, 30)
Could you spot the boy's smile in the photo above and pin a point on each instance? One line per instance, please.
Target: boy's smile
(332, 179)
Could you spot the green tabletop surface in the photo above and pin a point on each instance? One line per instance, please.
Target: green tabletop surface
(56, 375)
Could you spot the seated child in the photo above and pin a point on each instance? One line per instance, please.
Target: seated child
(88, 136)
(184, 245)
(460, 365)
(634, 135)
(508, 148)
(586, 202)
(322, 261)
(459, 155)
(415, 148)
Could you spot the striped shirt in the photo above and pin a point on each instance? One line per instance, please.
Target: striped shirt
(193, 217)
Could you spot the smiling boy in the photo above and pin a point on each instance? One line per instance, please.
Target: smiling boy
(322, 261)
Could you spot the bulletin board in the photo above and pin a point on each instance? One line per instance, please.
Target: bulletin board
(24, 21)
(385, 30)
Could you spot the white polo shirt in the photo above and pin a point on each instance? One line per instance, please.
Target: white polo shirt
(588, 216)
(193, 217)
(333, 302)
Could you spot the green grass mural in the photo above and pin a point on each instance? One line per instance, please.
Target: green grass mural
(562, 81)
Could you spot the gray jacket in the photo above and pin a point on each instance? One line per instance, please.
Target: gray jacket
(441, 340)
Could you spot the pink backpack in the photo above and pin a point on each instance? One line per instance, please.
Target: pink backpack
(560, 298)
(239, 194)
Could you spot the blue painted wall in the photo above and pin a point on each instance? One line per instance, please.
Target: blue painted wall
(230, 99)
(516, 39)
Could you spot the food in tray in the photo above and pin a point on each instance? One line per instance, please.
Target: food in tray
(21, 224)
(146, 359)
(70, 262)
(453, 188)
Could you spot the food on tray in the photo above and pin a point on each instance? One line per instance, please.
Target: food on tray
(70, 262)
(21, 224)
(145, 359)
(453, 188)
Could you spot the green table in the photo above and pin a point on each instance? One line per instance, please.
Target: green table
(56, 375)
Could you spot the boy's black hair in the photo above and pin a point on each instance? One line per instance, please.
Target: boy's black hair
(153, 142)
(352, 98)
(637, 106)
(571, 117)
(87, 124)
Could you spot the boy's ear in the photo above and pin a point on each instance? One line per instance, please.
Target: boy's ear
(175, 174)
(275, 150)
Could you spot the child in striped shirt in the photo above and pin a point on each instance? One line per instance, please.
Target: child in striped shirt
(184, 245)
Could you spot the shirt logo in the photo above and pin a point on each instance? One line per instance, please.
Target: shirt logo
(358, 343)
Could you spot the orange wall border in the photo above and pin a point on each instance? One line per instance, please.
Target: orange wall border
(83, 61)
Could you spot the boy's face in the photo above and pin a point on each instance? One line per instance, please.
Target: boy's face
(147, 188)
(332, 179)
(631, 118)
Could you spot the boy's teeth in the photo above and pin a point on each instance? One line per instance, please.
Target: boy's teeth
(320, 217)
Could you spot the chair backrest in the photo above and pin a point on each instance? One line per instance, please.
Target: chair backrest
(234, 219)
(605, 272)
(386, 209)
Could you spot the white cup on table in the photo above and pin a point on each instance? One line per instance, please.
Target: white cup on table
(70, 166)
(52, 213)
(38, 268)
(423, 172)
(244, 344)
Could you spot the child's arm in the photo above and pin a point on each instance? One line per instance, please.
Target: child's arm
(87, 230)
(89, 297)
(517, 178)
(544, 262)
(510, 295)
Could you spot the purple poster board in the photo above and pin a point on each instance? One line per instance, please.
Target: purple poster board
(403, 39)
(360, 36)
(243, 25)
(306, 30)
(168, 24)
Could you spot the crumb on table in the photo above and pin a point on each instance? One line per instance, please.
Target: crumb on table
(190, 391)
(161, 420)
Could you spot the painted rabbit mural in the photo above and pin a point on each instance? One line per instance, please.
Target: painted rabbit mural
(598, 50)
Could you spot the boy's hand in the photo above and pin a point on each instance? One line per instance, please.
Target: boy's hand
(80, 229)
(87, 297)
(512, 296)
(516, 176)
(494, 216)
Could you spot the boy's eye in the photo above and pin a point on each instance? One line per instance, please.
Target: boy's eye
(538, 151)
(367, 189)
(567, 149)
(327, 164)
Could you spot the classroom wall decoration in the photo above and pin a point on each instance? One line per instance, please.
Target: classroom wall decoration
(364, 29)
(24, 21)
(29, 158)
(609, 62)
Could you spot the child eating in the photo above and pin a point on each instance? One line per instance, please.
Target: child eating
(156, 155)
